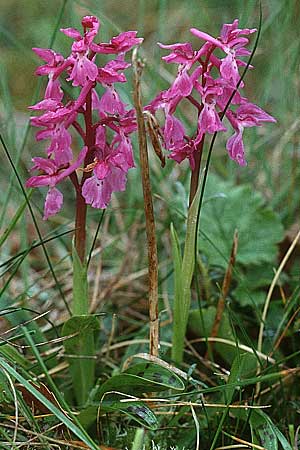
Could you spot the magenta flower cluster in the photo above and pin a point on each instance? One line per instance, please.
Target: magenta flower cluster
(207, 78)
(103, 122)
(208, 81)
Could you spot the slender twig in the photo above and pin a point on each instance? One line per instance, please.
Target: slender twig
(148, 208)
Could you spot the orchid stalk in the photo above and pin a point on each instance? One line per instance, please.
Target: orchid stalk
(103, 125)
(209, 82)
(102, 162)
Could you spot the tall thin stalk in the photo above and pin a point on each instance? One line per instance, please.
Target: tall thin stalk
(148, 208)
(81, 207)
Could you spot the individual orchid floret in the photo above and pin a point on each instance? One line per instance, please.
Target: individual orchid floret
(233, 44)
(56, 121)
(183, 55)
(118, 45)
(174, 132)
(97, 193)
(83, 69)
(60, 146)
(176, 141)
(83, 64)
(108, 173)
(55, 64)
(53, 203)
(186, 150)
(246, 116)
(209, 120)
(235, 147)
(109, 74)
(54, 61)
(230, 33)
(52, 174)
(90, 25)
(250, 115)
(110, 102)
(180, 54)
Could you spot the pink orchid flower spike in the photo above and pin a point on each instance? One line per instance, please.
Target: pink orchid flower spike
(105, 158)
(208, 80)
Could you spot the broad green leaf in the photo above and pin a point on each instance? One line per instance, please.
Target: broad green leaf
(127, 384)
(267, 436)
(160, 376)
(259, 228)
(253, 282)
(88, 416)
(138, 441)
(82, 365)
(263, 430)
(282, 439)
(138, 411)
(269, 429)
(155, 380)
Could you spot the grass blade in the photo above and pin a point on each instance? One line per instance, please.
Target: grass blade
(74, 428)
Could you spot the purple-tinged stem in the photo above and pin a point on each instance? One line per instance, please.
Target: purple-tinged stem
(196, 171)
(81, 207)
(198, 155)
(79, 129)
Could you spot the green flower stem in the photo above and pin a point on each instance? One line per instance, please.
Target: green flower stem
(80, 285)
(81, 326)
(195, 173)
(183, 271)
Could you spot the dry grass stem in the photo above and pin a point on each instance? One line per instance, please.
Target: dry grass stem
(233, 344)
(148, 208)
(242, 441)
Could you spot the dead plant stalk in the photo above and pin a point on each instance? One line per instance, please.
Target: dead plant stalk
(148, 208)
